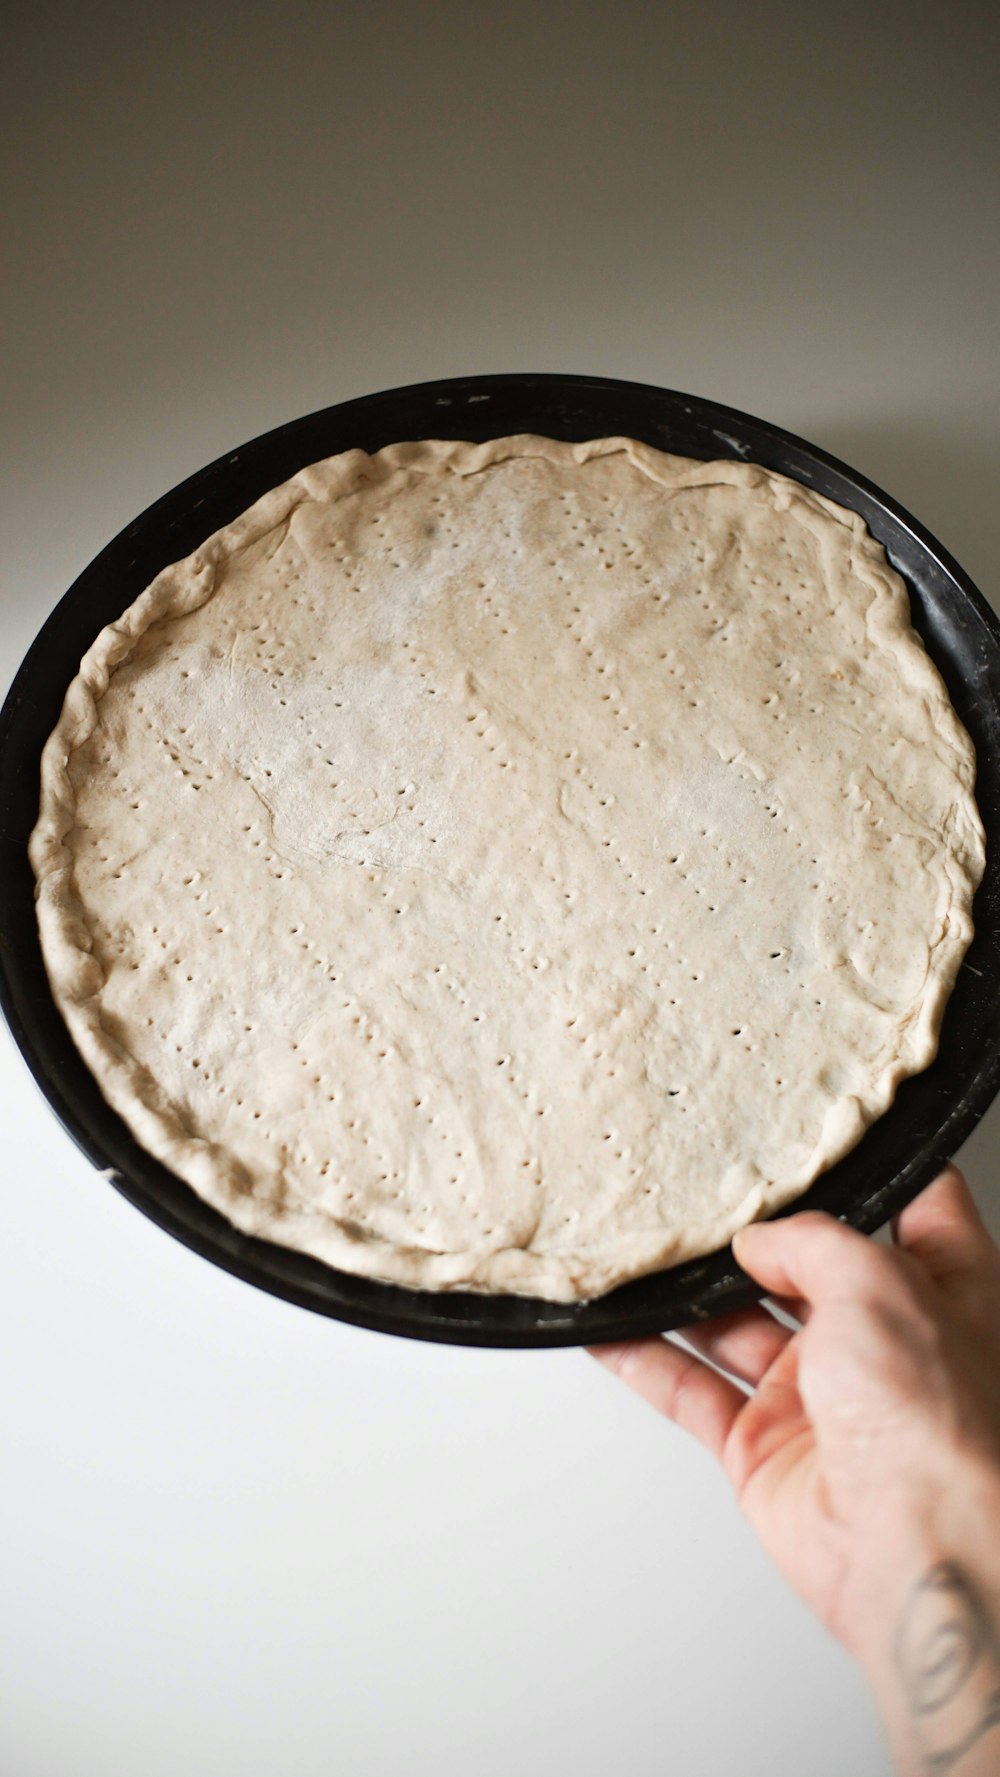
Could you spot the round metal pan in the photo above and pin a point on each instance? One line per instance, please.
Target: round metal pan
(932, 1113)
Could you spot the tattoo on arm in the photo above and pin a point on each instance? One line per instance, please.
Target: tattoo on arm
(948, 1651)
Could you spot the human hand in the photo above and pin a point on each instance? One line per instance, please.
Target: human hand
(869, 1452)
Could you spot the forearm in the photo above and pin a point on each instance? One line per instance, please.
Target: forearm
(927, 1632)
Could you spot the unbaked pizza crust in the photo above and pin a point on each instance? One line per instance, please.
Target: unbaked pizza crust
(509, 866)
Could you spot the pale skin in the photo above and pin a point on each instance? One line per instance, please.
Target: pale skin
(867, 1454)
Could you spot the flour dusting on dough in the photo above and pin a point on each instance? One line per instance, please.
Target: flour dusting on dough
(509, 866)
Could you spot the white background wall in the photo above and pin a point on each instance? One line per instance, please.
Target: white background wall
(235, 1537)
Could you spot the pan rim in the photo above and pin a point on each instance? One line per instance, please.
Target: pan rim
(697, 1288)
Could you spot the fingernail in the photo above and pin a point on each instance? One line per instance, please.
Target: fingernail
(742, 1235)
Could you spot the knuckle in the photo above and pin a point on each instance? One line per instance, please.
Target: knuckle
(736, 1453)
(680, 1393)
(623, 1358)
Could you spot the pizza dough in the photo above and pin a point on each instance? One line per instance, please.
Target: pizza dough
(509, 866)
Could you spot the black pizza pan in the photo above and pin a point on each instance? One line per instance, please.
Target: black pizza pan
(932, 1113)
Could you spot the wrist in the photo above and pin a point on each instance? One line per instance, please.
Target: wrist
(924, 1622)
(914, 1529)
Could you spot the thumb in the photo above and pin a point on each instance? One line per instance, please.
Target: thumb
(810, 1255)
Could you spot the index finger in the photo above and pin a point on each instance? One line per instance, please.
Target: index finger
(678, 1385)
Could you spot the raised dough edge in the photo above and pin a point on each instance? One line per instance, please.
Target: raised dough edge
(76, 980)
